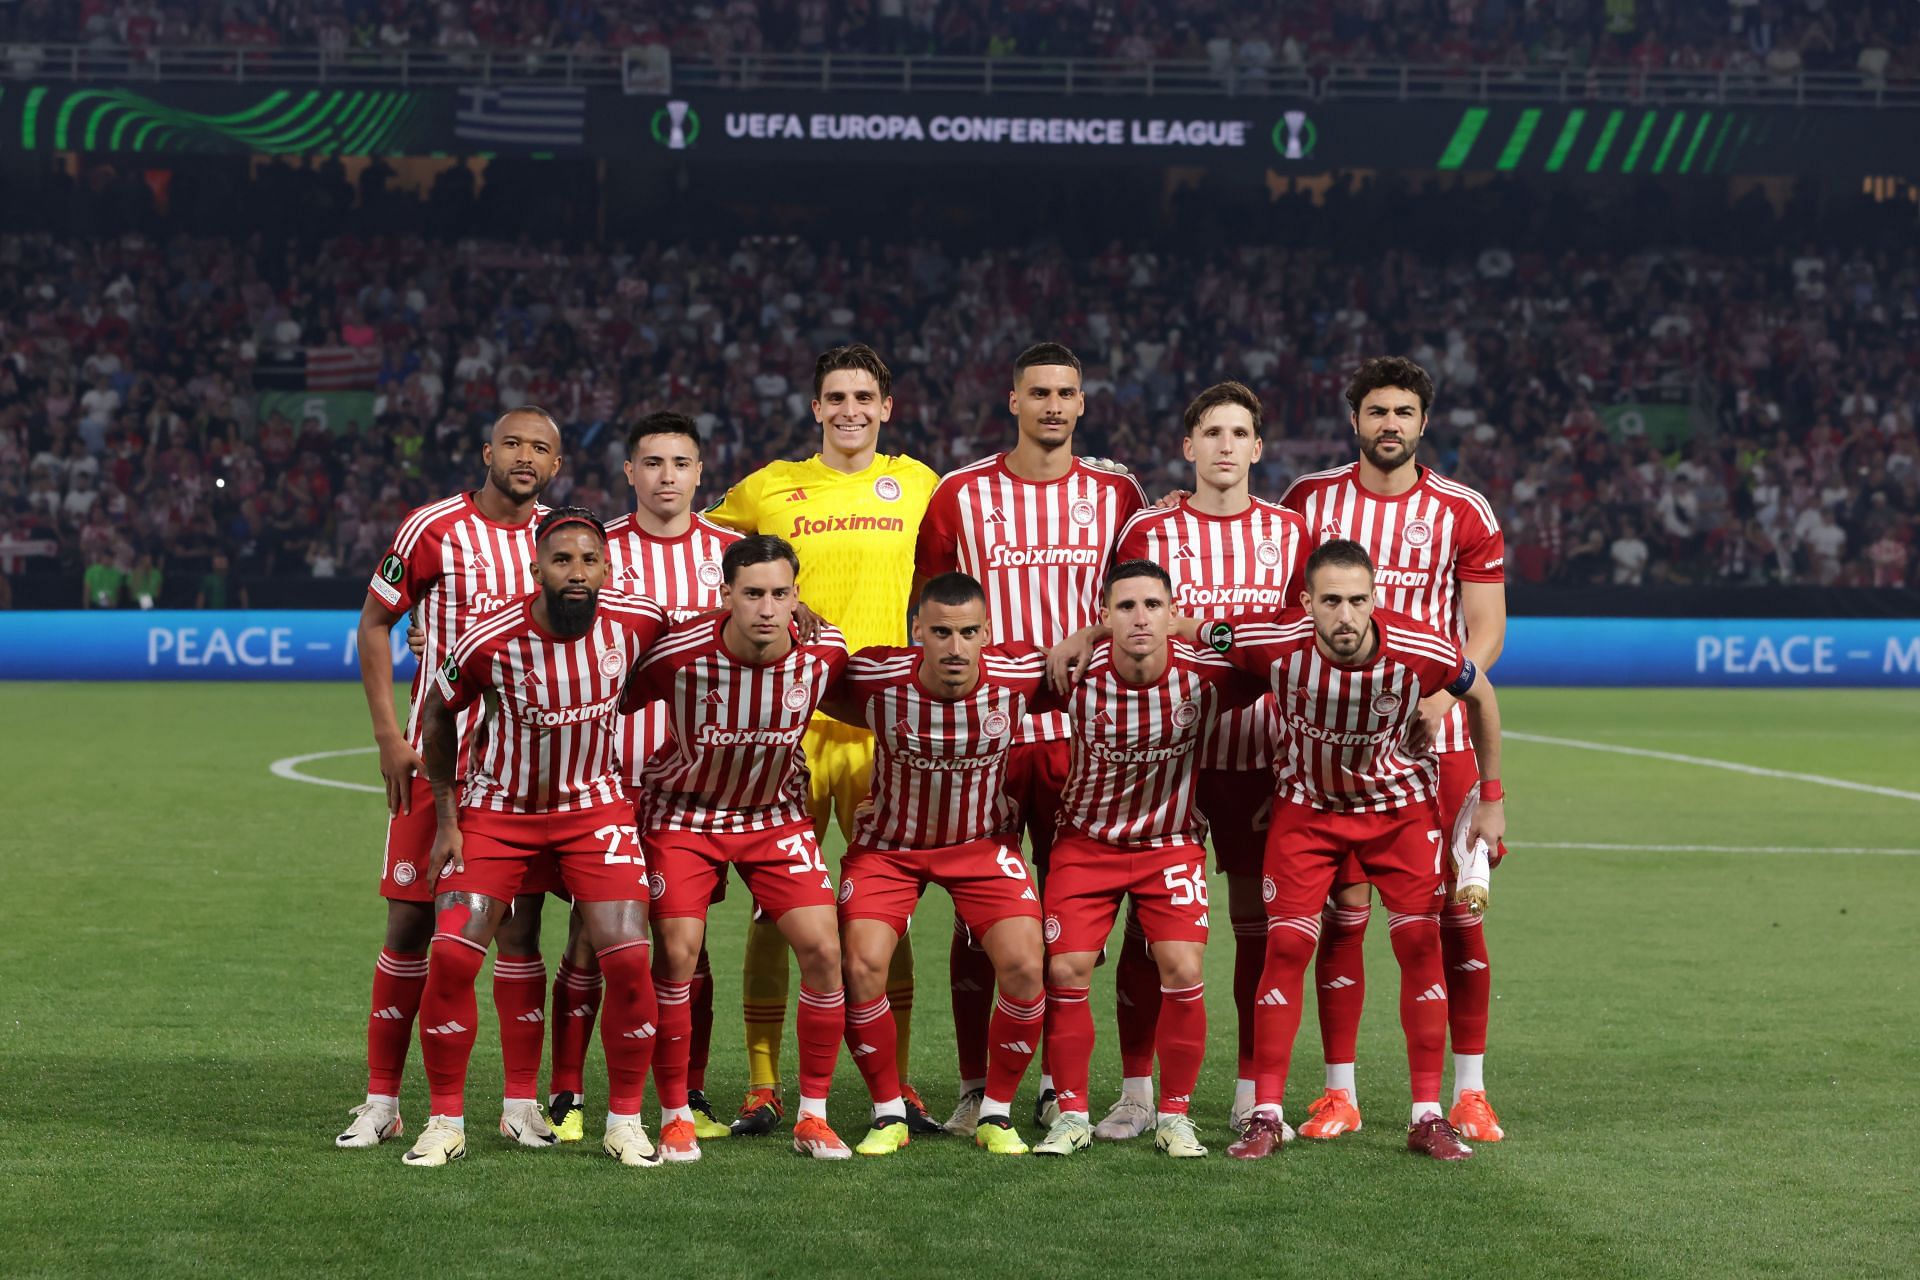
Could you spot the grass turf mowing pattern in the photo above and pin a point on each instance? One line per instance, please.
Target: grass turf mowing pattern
(1703, 1060)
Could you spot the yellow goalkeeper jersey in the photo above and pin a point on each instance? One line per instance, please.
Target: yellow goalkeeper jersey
(855, 535)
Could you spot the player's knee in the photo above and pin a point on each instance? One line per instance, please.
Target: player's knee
(677, 950)
(1352, 895)
(819, 960)
(520, 932)
(1072, 970)
(409, 926)
(866, 971)
(1020, 978)
(1180, 967)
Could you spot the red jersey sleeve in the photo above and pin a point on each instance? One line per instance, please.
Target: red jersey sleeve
(1237, 688)
(652, 679)
(462, 678)
(1483, 548)
(1133, 541)
(406, 571)
(1251, 644)
(644, 620)
(938, 549)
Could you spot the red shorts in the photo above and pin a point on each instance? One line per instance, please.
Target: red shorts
(1036, 773)
(720, 882)
(1401, 852)
(782, 869)
(403, 875)
(987, 879)
(1459, 772)
(1237, 804)
(593, 853)
(1088, 878)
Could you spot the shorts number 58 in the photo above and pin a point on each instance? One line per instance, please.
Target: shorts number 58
(1188, 884)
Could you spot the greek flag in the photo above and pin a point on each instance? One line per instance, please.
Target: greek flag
(522, 117)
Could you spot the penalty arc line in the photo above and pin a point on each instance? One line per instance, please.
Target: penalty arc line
(1731, 766)
(289, 769)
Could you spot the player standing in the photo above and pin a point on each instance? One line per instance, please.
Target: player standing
(852, 514)
(1438, 553)
(731, 787)
(1349, 679)
(453, 562)
(1130, 828)
(1227, 553)
(666, 553)
(544, 788)
(943, 716)
(1037, 528)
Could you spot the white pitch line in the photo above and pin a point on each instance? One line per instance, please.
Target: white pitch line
(1731, 766)
(289, 769)
(1705, 848)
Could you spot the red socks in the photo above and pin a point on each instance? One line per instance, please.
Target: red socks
(674, 1001)
(1136, 1000)
(700, 1041)
(819, 1026)
(576, 1003)
(1340, 980)
(448, 1014)
(1463, 950)
(875, 1048)
(1276, 1006)
(631, 1029)
(398, 981)
(1014, 1036)
(1069, 1025)
(1249, 958)
(520, 1002)
(970, 975)
(1182, 1042)
(1423, 999)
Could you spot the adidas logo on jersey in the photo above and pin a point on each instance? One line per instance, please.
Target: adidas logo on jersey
(713, 698)
(1273, 998)
(1340, 983)
(641, 1032)
(446, 1029)
(994, 516)
(1104, 720)
(1183, 552)
(798, 495)
(1434, 992)
(532, 1015)
(1470, 966)
(530, 679)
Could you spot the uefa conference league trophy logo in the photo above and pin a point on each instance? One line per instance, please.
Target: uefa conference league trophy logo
(676, 126)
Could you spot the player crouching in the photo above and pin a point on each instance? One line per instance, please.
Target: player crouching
(545, 787)
(943, 716)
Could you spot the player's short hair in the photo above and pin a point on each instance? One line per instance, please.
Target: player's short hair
(1390, 371)
(532, 410)
(665, 422)
(1218, 394)
(855, 355)
(560, 517)
(1135, 569)
(953, 590)
(757, 548)
(1044, 353)
(1343, 553)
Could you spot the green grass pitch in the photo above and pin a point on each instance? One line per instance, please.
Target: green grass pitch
(1705, 1060)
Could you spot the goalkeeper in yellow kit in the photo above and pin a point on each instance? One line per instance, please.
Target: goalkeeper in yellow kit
(853, 515)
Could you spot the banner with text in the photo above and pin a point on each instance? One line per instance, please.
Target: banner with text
(1573, 652)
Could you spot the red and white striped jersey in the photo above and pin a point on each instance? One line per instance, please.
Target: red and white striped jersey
(1040, 548)
(682, 575)
(1424, 544)
(732, 761)
(547, 743)
(1136, 748)
(1222, 566)
(455, 566)
(938, 763)
(1345, 727)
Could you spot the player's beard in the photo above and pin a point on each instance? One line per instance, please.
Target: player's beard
(571, 617)
(1408, 448)
(505, 481)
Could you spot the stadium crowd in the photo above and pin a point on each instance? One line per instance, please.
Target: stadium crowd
(1636, 415)
(1876, 37)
